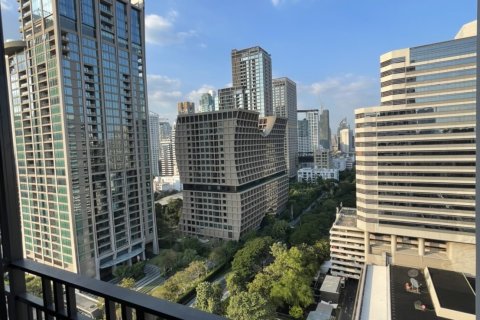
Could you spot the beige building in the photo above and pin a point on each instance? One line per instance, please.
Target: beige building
(233, 170)
(347, 245)
(186, 107)
(416, 158)
(322, 158)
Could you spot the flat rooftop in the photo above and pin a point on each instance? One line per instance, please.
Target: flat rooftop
(454, 290)
(347, 217)
(376, 294)
(403, 302)
(330, 284)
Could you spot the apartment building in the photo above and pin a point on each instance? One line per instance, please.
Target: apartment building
(80, 116)
(285, 105)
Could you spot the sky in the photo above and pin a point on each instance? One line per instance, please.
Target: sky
(330, 48)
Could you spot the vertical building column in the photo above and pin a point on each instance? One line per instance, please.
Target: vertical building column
(393, 244)
(367, 243)
(421, 247)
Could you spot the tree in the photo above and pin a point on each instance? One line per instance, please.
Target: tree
(209, 297)
(128, 283)
(134, 271)
(33, 285)
(296, 312)
(250, 306)
(250, 259)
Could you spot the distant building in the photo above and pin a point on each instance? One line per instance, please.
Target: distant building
(207, 103)
(165, 130)
(322, 158)
(233, 170)
(167, 183)
(308, 139)
(231, 98)
(252, 72)
(346, 140)
(186, 107)
(312, 174)
(168, 159)
(154, 125)
(285, 105)
(324, 134)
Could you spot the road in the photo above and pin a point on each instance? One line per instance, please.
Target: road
(295, 221)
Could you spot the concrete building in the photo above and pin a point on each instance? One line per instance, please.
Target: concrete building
(416, 159)
(252, 72)
(324, 134)
(231, 98)
(285, 105)
(207, 102)
(80, 115)
(308, 138)
(347, 245)
(312, 174)
(233, 171)
(165, 128)
(186, 107)
(168, 159)
(322, 158)
(154, 122)
(346, 140)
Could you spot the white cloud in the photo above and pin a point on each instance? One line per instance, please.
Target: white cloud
(276, 3)
(6, 4)
(163, 95)
(195, 95)
(160, 30)
(341, 94)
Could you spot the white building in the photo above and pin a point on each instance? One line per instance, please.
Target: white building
(312, 174)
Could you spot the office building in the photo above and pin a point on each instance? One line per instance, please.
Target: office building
(231, 98)
(252, 72)
(308, 139)
(165, 128)
(324, 134)
(168, 159)
(416, 158)
(154, 122)
(80, 115)
(207, 102)
(186, 107)
(285, 105)
(233, 170)
(346, 140)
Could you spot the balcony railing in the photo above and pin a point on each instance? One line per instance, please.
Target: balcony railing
(59, 298)
(59, 288)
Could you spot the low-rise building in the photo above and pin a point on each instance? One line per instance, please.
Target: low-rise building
(312, 174)
(347, 248)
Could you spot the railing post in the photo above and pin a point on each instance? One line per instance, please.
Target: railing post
(10, 230)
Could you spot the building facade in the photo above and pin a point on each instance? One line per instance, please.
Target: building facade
(252, 72)
(233, 170)
(416, 158)
(186, 107)
(346, 140)
(154, 122)
(285, 105)
(231, 98)
(77, 89)
(324, 134)
(322, 158)
(207, 102)
(313, 174)
(308, 139)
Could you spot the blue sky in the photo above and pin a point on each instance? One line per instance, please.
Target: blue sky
(330, 48)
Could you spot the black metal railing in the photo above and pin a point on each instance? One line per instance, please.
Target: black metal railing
(59, 289)
(56, 296)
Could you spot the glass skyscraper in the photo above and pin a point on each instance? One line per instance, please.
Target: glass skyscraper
(77, 89)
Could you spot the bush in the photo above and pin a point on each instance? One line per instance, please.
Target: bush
(134, 271)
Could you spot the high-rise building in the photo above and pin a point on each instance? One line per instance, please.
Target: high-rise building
(416, 158)
(154, 122)
(308, 140)
(77, 91)
(322, 158)
(233, 171)
(231, 98)
(324, 134)
(285, 105)
(185, 107)
(252, 72)
(165, 130)
(345, 141)
(168, 160)
(207, 102)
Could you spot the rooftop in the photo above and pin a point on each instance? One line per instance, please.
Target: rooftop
(331, 284)
(347, 217)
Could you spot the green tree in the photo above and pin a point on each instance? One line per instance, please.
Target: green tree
(209, 297)
(296, 312)
(250, 306)
(34, 285)
(128, 283)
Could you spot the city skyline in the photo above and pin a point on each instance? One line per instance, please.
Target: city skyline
(183, 32)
